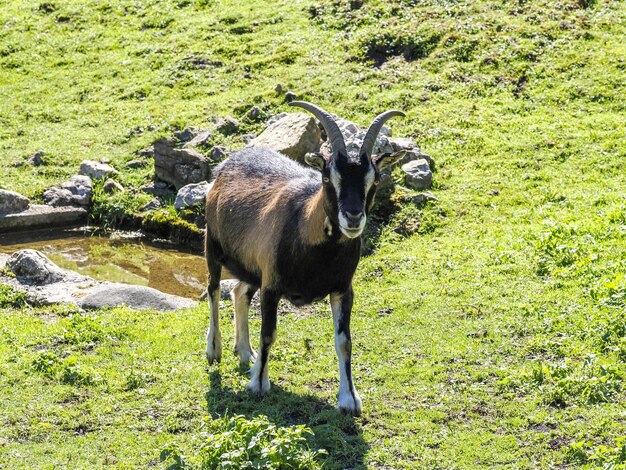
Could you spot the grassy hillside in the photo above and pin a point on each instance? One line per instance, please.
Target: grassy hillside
(494, 337)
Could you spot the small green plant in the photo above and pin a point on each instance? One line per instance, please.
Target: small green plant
(10, 297)
(238, 442)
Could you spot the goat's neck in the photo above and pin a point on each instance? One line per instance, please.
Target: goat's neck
(316, 227)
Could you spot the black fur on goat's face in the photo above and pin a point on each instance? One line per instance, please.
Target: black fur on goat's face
(349, 187)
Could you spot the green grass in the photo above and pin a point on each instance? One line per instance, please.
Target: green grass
(494, 337)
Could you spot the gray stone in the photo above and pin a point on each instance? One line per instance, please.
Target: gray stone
(254, 113)
(179, 167)
(76, 191)
(294, 135)
(417, 174)
(203, 139)
(247, 138)
(38, 215)
(403, 143)
(12, 202)
(186, 134)
(273, 119)
(33, 267)
(137, 297)
(290, 96)
(152, 205)
(96, 170)
(134, 164)
(37, 158)
(111, 186)
(227, 126)
(218, 153)
(157, 188)
(146, 153)
(192, 195)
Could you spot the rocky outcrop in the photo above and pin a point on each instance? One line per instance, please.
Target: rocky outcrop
(294, 135)
(40, 215)
(12, 202)
(177, 166)
(45, 283)
(96, 170)
(191, 195)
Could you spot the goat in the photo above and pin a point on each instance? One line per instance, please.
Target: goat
(283, 228)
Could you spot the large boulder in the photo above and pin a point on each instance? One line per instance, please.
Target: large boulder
(179, 167)
(96, 170)
(294, 135)
(192, 195)
(12, 202)
(137, 297)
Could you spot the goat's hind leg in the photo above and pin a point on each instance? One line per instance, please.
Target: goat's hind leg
(242, 295)
(214, 335)
(260, 382)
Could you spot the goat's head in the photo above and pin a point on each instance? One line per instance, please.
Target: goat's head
(349, 180)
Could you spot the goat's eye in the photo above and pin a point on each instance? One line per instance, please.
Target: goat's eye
(376, 182)
(326, 179)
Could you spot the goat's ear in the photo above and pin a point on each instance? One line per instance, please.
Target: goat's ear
(315, 160)
(384, 160)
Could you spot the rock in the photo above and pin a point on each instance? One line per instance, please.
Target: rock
(152, 205)
(293, 135)
(273, 119)
(45, 283)
(290, 96)
(111, 186)
(226, 287)
(186, 135)
(146, 153)
(422, 198)
(417, 174)
(96, 170)
(353, 136)
(254, 113)
(157, 188)
(134, 164)
(39, 215)
(37, 159)
(402, 143)
(203, 139)
(192, 195)
(179, 167)
(137, 297)
(227, 126)
(12, 202)
(247, 138)
(33, 267)
(76, 191)
(217, 153)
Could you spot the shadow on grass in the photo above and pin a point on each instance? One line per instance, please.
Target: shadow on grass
(340, 435)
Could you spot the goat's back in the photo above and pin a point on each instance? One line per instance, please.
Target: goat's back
(255, 194)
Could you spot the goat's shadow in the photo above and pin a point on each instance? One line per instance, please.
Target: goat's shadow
(340, 435)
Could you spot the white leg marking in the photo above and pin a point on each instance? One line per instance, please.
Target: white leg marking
(214, 335)
(349, 400)
(242, 335)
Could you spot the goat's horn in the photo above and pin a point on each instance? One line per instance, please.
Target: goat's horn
(370, 136)
(330, 126)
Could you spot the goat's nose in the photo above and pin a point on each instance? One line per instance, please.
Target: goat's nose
(354, 218)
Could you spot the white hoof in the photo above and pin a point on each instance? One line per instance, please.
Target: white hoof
(349, 403)
(259, 387)
(214, 347)
(246, 355)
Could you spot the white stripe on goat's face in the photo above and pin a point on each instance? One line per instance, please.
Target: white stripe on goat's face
(352, 180)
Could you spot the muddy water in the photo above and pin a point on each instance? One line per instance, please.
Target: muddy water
(117, 259)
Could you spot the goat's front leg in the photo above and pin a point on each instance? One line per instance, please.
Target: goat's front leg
(341, 304)
(260, 383)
